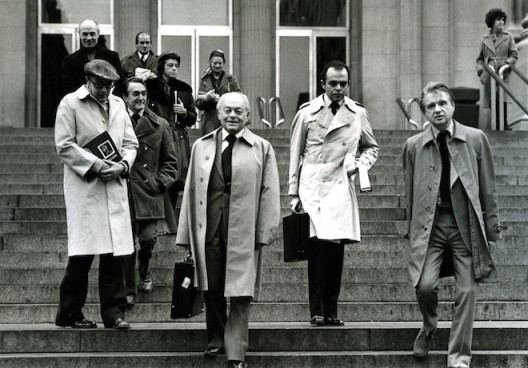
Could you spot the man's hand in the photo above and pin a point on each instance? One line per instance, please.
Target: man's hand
(491, 246)
(111, 170)
(295, 204)
(179, 109)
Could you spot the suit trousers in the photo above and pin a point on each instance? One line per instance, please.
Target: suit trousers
(226, 331)
(445, 233)
(145, 230)
(74, 288)
(325, 267)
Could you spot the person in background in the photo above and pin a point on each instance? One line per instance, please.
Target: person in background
(143, 58)
(497, 48)
(97, 211)
(326, 134)
(453, 218)
(154, 171)
(172, 99)
(230, 210)
(73, 65)
(213, 84)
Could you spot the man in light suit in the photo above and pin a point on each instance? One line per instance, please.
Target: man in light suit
(142, 58)
(326, 134)
(453, 218)
(230, 210)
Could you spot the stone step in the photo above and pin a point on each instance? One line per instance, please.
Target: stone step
(191, 337)
(503, 257)
(294, 273)
(281, 292)
(279, 312)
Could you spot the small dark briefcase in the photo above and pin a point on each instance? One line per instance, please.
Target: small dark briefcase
(296, 234)
(187, 301)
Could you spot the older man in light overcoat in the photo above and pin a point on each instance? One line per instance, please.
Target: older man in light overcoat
(229, 212)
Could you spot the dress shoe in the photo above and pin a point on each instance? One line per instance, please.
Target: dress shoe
(131, 300)
(83, 323)
(119, 324)
(332, 321)
(422, 344)
(214, 351)
(145, 283)
(236, 364)
(317, 321)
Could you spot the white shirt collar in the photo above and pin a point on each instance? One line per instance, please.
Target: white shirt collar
(449, 129)
(225, 134)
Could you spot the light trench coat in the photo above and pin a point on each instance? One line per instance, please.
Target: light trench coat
(98, 214)
(254, 209)
(473, 161)
(321, 143)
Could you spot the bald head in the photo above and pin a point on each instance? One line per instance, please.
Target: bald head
(88, 33)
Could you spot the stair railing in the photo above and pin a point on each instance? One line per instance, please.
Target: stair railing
(406, 108)
(269, 109)
(498, 79)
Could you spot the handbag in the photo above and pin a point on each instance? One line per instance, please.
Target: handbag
(296, 235)
(187, 301)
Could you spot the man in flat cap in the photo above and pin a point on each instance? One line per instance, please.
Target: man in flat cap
(96, 197)
(73, 64)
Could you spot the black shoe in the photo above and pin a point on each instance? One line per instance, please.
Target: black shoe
(145, 283)
(422, 344)
(236, 364)
(317, 321)
(332, 321)
(84, 323)
(118, 324)
(214, 351)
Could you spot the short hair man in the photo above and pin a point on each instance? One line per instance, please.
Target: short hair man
(96, 197)
(156, 160)
(230, 209)
(143, 58)
(73, 64)
(453, 218)
(326, 134)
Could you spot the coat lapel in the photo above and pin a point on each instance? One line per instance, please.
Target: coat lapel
(146, 124)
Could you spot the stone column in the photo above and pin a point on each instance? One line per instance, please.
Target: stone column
(257, 55)
(131, 17)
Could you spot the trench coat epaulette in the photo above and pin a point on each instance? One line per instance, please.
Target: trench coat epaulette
(304, 105)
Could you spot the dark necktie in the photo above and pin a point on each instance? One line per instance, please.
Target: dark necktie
(135, 118)
(226, 159)
(445, 190)
(334, 106)
(143, 60)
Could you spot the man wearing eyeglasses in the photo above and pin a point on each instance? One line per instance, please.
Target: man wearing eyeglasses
(142, 61)
(96, 197)
(73, 65)
(326, 134)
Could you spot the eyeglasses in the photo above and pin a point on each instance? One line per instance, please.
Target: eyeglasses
(100, 85)
(335, 83)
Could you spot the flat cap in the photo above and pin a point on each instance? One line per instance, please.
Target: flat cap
(101, 69)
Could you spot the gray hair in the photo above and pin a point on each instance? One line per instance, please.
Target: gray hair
(223, 97)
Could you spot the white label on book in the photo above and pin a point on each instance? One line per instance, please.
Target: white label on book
(186, 282)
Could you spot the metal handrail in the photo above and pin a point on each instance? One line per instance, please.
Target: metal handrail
(278, 105)
(261, 106)
(406, 109)
(499, 80)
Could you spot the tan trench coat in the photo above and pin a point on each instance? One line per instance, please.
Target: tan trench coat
(254, 210)
(473, 162)
(98, 214)
(319, 144)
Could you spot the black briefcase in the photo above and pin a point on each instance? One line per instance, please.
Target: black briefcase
(296, 234)
(187, 301)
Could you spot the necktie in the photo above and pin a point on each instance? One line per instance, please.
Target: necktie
(226, 159)
(334, 106)
(135, 118)
(445, 190)
(143, 59)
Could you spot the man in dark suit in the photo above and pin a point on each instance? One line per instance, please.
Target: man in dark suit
(230, 210)
(453, 218)
(73, 65)
(142, 58)
(153, 173)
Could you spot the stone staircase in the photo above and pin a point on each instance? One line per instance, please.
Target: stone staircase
(376, 300)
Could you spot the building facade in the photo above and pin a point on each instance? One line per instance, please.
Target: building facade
(275, 48)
